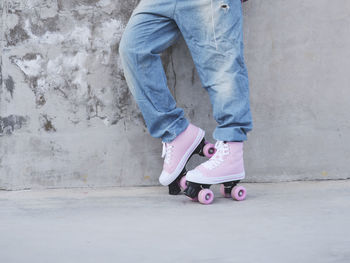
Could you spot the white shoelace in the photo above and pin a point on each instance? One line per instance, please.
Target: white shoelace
(166, 152)
(221, 150)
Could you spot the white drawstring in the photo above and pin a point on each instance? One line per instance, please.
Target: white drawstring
(166, 151)
(221, 150)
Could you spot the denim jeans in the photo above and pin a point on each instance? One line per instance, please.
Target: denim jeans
(212, 30)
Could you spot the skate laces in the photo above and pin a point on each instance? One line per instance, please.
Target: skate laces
(166, 152)
(222, 149)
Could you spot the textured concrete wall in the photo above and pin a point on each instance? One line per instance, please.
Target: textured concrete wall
(67, 118)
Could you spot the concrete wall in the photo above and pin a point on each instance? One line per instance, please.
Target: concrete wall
(67, 118)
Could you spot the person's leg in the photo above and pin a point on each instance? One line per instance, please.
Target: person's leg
(212, 30)
(150, 31)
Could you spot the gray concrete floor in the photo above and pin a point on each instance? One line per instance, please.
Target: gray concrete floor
(278, 222)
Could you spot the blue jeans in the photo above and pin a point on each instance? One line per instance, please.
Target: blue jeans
(212, 30)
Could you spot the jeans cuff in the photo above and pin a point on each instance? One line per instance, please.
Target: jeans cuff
(175, 129)
(230, 134)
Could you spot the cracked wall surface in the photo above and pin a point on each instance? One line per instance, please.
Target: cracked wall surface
(67, 118)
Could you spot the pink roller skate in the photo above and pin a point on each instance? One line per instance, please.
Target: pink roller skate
(224, 167)
(178, 152)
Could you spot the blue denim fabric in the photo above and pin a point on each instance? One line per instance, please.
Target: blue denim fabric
(212, 30)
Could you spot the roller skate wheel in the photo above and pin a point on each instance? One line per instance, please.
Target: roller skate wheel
(182, 183)
(206, 196)
(222, 191)
(238, 193)
(209, 149)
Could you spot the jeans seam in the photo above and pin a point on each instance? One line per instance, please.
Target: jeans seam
(174, 9)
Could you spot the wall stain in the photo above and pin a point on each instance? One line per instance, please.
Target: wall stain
(124, 9)
(29, 65)
(31, 56)
(76, 4)
(74, 40)
(193, 75)
(11, 123)
(94, 105)
(191, 113)
(40, 27)
(0, 75)
(10, 85)
(16, 35)
(46, 123)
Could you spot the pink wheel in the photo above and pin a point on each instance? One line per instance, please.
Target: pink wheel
(238, 193)
(222, 191)
(182, 183)
(209, 149)
(206, 196)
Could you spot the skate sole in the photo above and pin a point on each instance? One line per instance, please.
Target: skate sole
(214, 180)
